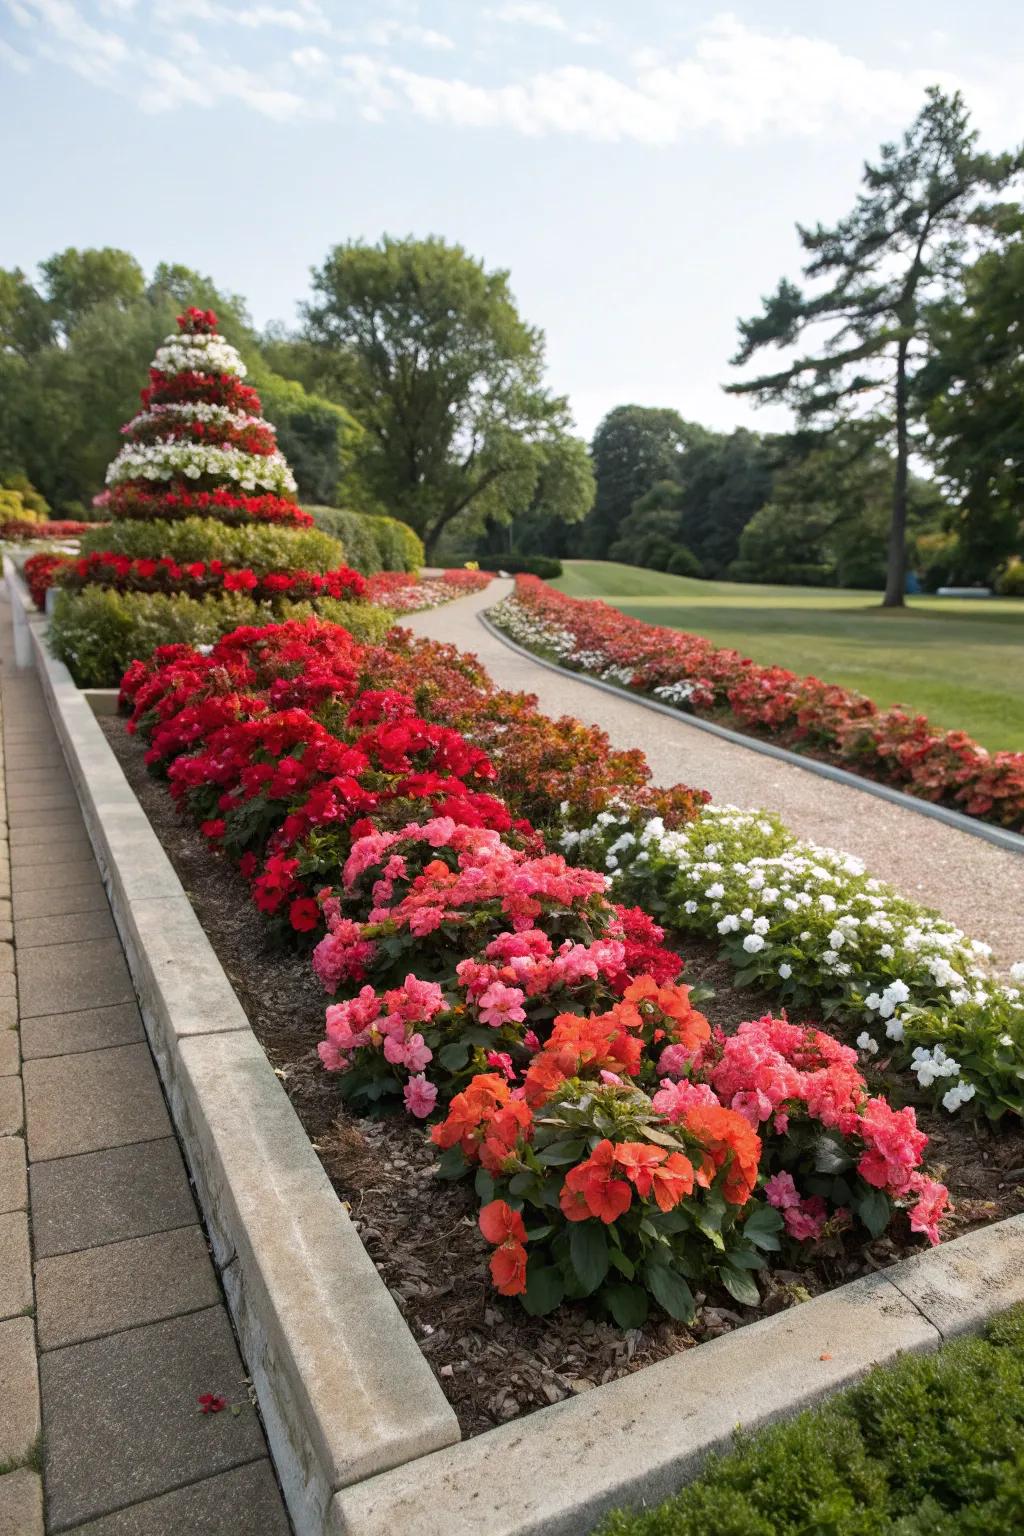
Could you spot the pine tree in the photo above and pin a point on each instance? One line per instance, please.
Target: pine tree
(902, 247)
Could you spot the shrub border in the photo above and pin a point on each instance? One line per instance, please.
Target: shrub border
(1003, 837)
(344, 1390)
(301, 1287)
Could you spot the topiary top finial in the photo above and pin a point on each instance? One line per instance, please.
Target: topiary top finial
(197, 322)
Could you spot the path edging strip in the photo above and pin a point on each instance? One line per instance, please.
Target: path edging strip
(1002, 837)
(345, 1392)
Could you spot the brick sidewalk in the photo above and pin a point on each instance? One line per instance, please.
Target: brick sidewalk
(112, 1320)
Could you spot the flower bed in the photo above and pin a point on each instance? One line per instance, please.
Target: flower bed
(196, 578)
(405, 592)
(812, 927)
(827, 721)
(621, 1149)
(931, 1444)
(39, 572)
(28, 533)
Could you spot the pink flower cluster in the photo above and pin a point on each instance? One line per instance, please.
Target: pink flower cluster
(389, 1023)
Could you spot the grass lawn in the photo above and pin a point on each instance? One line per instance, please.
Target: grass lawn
(958, 661)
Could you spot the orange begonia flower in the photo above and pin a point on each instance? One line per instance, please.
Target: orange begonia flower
(726, 1138)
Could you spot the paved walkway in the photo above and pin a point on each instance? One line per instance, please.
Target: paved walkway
(973, 883)
(112, 1321)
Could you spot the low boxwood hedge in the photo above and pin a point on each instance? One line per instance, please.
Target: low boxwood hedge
(927, 1447)
(260, 546)
(372, 543)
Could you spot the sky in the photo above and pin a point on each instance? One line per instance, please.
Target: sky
(638, 168)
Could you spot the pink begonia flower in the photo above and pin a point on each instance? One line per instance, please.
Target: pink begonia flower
(611, 1078)
(501, 1005)
(440, 831)
(805, 1221)
(426, 920)
(753, 1105)
(501, 1061)
(332, 1057)
(932, 1205)
(532, 1041)
(781, 1192)
(420, 1097)
(673, 1099)
(674, 1061)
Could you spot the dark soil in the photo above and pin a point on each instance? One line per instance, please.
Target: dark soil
(492, 1360)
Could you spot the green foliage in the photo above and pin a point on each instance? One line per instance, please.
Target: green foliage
(372, 543)
(881, 268)
(1011, 579)
(72, 358)
(263, 547)
(635, 448)
(826, 522)
(972, 392)
(930, 1446)
(544, 566)
(35, 505)
(683, 562)
(97, 632)
(430, 353)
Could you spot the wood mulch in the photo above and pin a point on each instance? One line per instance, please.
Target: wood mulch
(492, 1360)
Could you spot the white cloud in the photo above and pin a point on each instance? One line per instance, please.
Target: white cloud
(383, 34)
(530, 13)
(737, 81)
(309, 59)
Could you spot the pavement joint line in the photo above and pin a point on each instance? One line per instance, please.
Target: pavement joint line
(112, 1242)
(1001, 837)
(116, 1333)
(150, 1498)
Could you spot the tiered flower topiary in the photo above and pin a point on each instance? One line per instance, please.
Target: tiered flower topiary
(205, 531)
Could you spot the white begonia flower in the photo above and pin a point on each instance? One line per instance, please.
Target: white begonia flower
(753, 943)
(866, 1043)
(729, 924)
(715, 892)
(761, 925)
(689, 907)
(785, 970)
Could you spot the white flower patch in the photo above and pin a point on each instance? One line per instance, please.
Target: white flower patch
(170, 460)
(199, 354)
(198, 410)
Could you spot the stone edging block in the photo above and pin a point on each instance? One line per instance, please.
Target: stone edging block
(344, 1390)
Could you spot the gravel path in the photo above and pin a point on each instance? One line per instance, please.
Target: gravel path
(973, 883)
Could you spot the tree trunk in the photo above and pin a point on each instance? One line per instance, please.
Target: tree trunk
(896, 577)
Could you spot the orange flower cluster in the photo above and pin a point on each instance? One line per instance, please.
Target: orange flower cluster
(595, 1187)
(485, 1121)
(500, 1224)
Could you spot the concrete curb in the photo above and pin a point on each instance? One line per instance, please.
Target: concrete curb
(1002, 837)
(635, 1441)
(344, 1390)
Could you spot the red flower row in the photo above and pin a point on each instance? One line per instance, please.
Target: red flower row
(829, 721)
(18, 531)
(200, 388)
(254, 437)
(198, 577)
(141, 499)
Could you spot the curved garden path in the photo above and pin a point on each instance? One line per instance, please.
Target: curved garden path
(973, 883)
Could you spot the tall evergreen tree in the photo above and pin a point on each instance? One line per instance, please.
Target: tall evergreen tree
(901, 248)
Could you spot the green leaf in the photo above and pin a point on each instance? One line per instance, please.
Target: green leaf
(762, 1227)
(560, 1152)
(741, 1285)
(621, 1263)
(451, 1164)
(830, 1157)
(588, 1250)
(544, 1289)
(874, 1209)
(627, 1304)
(670, 1291)
(520, 1183)
(454, 1055)
(484, 1185)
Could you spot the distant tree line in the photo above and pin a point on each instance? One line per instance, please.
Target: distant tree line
(413, 386)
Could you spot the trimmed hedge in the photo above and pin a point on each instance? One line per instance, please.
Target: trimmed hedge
(930, 1446)
(372, 543)
(261, 547)
(547, 567)
(97, 632)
